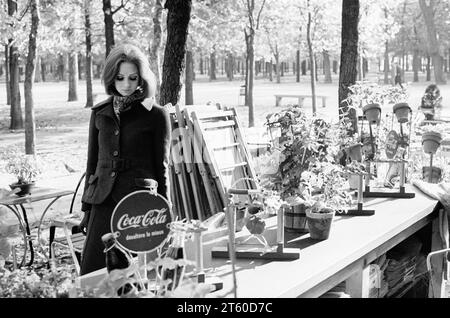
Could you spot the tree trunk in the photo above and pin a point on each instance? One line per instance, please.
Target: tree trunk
(14, 78)
(37, 76)
(428, 68)
(73, 77)
(189, 93)
(349, 56)
(316, 69)
(277, 65)
(249, 41)
(432, 39)
(416, 66)
(313, 64)
(304, 67)
(327, 67)
(270, 70)
(80, 66)
(7, 83)
(297, 66)
(155, 58)
(178, 15)
(87, 30)
(29, 79)
(62, 67)
(246, 75)
(212, 68)
(201, 65)
(109, 25)
(229, 66)
(43, 70)
(282, 69)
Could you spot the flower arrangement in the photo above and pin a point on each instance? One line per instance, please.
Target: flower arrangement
(25, 167)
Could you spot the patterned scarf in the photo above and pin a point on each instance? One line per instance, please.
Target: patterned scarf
(123, 103)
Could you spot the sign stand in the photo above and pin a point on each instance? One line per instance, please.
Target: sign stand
(395, 157)
(278, 252)
(384, 194)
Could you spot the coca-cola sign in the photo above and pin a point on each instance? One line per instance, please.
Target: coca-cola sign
(141, 221)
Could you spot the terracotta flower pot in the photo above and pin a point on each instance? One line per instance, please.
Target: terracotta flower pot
(319, 224)
(431, 141)
(295, 218)
(355, 152)
(436, 174)
(402, 111)
(25, 188)
(372, 113)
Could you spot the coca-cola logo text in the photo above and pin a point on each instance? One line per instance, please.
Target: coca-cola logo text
(151, 217)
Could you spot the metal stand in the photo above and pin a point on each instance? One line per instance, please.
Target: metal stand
(384, 194)
(360, 211)
(278, 252)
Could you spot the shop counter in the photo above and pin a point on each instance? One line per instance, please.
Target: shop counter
(354, 242)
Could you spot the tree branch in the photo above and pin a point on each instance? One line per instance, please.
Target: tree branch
(259, 14)
(122, 6)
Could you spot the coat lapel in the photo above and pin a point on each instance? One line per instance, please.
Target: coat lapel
(108, 112)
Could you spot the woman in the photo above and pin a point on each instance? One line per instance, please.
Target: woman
(129, 142)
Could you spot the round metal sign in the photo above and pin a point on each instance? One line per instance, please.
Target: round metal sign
(392, 140)
(141, 221)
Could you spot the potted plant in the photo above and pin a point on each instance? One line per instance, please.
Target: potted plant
(306, 140)
(372, 113)
(436, 174)
(319, 218)
(25, 168)
(295, 215)
(431, 140)
(324, 188)
(402, 112)
(354, 170)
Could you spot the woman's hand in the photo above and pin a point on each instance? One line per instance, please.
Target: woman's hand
(84, 222)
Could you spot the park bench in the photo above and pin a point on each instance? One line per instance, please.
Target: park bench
(279, 97)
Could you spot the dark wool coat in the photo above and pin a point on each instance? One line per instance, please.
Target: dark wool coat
(120, 152)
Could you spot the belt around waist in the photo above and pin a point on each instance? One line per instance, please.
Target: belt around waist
(122, 164)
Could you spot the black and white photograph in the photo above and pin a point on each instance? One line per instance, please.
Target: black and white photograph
(225, 154)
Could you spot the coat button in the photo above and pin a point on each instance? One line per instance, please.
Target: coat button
(116, 132)
(115, 153)
(113, 174)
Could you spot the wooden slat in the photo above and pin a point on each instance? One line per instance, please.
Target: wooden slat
(226, 147)
(213, 115)
(218, 124)
(231, 167)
